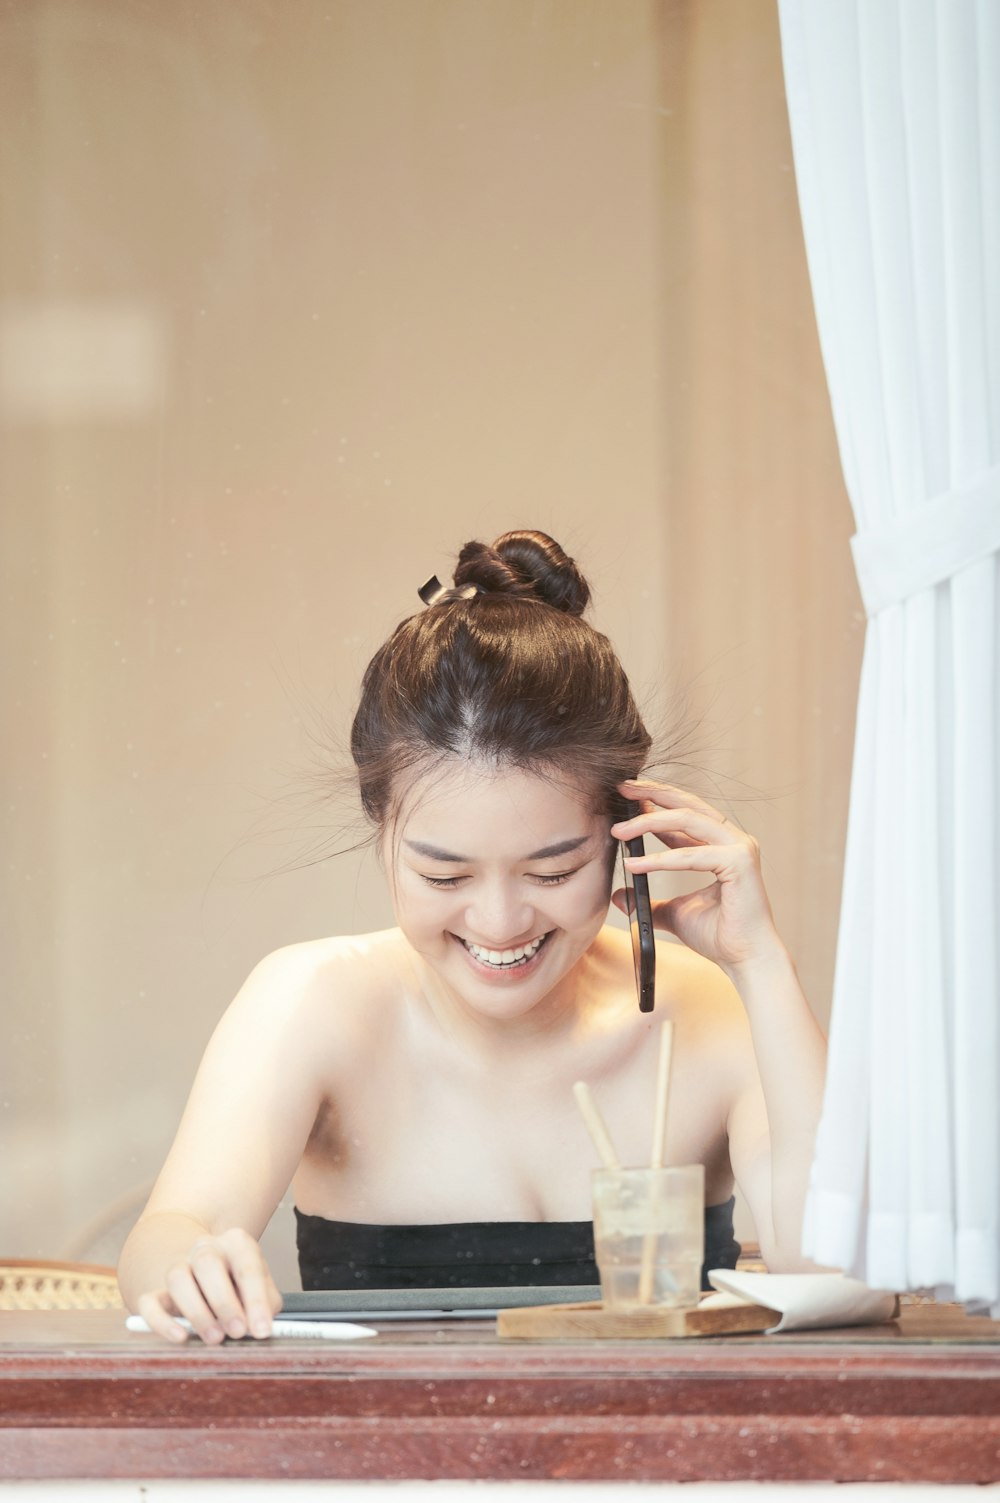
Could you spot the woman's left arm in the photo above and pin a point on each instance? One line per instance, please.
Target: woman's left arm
(771, 1141)
(775, 1109)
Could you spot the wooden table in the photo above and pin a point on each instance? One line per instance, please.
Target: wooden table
(916, 1400)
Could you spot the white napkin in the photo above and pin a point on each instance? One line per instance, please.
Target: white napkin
(807, 1301)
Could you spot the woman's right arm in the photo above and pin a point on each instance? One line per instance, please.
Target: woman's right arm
(172, 1266)
(194, 1251)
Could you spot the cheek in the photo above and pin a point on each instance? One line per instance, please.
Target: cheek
(426, 911)
(588, 902)
(415, 906)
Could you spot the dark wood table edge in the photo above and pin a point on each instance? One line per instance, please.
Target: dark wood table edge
(422, 1406)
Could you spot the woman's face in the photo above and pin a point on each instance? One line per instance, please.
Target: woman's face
(500, 881)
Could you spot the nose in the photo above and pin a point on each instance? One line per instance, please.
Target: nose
(498, 915)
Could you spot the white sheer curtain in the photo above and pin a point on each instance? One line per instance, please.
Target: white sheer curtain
(895, 116)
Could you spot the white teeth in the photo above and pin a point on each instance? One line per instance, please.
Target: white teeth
(504, 957)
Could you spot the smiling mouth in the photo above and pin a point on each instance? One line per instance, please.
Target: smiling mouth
(505, 960)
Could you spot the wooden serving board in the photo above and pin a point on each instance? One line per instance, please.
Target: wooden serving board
(722, 1315)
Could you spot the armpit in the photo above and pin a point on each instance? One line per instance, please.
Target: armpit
(327, 1139)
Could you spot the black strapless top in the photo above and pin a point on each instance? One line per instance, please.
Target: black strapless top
(471, 1254)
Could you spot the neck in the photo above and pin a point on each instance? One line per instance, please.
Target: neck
(551, 1023)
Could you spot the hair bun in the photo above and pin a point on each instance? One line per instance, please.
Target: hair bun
(529, 564)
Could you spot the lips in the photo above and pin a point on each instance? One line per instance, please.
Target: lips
(505, 960)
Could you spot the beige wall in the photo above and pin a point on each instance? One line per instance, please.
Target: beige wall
(295, 299)
(763, 619)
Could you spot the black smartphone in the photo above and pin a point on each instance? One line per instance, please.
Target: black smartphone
(640, 921)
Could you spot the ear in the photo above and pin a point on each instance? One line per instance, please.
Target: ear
(623, 900)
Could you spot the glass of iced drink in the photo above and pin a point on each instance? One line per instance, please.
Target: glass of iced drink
(649, 1235)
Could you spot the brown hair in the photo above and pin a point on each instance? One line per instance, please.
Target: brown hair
(511, 675)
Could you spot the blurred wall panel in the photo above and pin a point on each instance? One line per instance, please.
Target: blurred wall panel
(763, 616)
(312, 294)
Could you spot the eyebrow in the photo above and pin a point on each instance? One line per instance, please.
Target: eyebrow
(560, 848)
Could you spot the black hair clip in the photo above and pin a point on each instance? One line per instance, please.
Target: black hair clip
(434, 592)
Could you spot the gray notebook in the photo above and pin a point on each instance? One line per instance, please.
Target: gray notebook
(428, 1304)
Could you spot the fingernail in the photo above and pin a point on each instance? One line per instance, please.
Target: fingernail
(214, 1334)
(261, 1326)
(235, 1329)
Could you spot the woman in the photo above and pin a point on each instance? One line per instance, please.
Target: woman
(415, 1086)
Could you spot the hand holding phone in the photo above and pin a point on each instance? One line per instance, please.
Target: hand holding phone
(640, 922)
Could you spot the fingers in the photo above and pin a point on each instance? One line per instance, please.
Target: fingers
(258, 1295)
(720, 859)
(191, 1303)
(212, 1267)
(673, 838)
(726, 919)
(669, 916)
(223, 1287)
(622, 900)
(679, 819)
(154, 1311)
(689, 824)
(669, 796)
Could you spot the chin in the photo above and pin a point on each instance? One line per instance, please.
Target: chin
(508, 992)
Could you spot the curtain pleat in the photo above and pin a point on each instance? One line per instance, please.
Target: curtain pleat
(895, 116)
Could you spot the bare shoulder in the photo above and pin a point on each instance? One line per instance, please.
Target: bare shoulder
(295, 973)
(705, 1006)
(693, 992)
(329, 993)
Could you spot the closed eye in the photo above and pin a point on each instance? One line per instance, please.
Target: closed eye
(543, 879)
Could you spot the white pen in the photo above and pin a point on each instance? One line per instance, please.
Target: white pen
(310, 1330)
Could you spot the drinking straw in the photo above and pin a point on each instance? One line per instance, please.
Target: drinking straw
(662, 1095)
(658, 1152)
(600, 1137)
